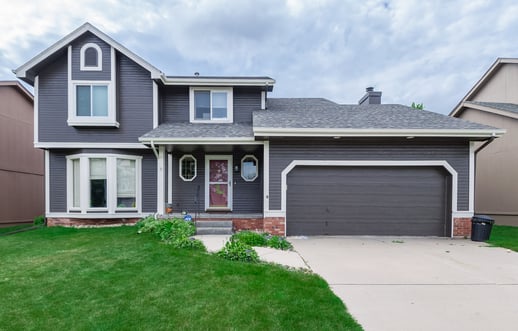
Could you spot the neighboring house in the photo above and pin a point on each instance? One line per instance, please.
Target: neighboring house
(122, 140)
(21, 165)
(494, 101)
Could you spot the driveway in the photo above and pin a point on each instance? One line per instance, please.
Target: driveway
(418, 283)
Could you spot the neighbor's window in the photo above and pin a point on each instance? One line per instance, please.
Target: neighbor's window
(91, 57)
(249, 168)
(92, 100)
(211, 105)
(188, 168)
(110, 184)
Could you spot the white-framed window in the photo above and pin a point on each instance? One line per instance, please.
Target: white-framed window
(91, 57)
(249, 168)
(92, 103)
(106, 183)
(187, 166)
(211, 104)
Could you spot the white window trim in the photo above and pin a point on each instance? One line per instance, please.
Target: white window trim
(111, 188)
(230, 104)
(99, 66)
(74, 120)
(257, 166)
(195, 167)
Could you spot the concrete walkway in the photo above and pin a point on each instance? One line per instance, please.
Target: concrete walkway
(290, 259)
(418, 283)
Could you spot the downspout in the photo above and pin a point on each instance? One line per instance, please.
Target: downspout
(154, 148)
(489, 141)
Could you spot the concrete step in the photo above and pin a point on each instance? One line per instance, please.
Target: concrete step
(216, 230)
(214, 224)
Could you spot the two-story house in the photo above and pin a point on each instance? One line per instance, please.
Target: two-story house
(123, 140)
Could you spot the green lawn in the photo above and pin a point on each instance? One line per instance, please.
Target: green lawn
(15, 228)
(114, 279)
(504, 236)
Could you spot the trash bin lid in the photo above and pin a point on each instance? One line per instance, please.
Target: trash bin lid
(482, 218)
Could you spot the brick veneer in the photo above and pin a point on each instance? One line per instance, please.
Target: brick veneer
(275, 225)
(79, 222)
(255, 224)
(462, 227)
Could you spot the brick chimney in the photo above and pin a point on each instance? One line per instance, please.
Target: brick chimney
(371, 97)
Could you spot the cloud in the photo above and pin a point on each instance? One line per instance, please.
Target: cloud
(422, 51)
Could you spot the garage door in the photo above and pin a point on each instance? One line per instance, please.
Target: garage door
(368, 201)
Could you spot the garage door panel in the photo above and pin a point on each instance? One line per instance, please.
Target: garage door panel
(367, 201)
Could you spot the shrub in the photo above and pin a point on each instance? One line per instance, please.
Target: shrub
(250, 238)
(175, 231)
(236, 250)
(39, 220)
(279, 243)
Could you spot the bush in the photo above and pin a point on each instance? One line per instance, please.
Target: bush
(279, 243)
(250, 238)
(175, 232)
(236, 250)
(262, 239)
(39, 220)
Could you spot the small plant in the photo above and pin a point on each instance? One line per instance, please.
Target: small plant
(236, 250)
(175, 231)
(251, 238)
(279, 243)
(39, 220)
(190, 243)
(147, 225)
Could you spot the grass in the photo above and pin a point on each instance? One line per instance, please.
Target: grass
(113, 279)
(504, 236)
(15, 228)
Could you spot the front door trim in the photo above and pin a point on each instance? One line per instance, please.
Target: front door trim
(227, 158)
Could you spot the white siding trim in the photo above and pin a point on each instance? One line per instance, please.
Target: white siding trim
(169, 178)
(263, 99)
(462, 214)
(266, 178)
(36, 108)
(160, 199)
(47, 182)
(204, 141)
(90, 145)
(471, 205)
(113, 75)
(71, 107)
(98, 215)
(440, 163)
(155, 105)
(275, 213)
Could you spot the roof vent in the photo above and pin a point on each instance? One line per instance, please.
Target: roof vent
(196, 74)
(371, 97)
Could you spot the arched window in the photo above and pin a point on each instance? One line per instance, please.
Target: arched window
(91, 57)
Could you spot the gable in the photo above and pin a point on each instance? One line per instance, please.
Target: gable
(502, 86)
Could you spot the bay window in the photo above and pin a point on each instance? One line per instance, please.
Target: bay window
(107, 183)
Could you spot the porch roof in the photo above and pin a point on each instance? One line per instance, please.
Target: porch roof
(180, 132)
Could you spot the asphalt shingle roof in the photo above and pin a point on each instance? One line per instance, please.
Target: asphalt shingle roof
(325, 114)
(200, 130)
(510, 107)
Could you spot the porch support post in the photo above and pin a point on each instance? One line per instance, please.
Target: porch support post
(160, 186)
(266, 177)
(169, 178)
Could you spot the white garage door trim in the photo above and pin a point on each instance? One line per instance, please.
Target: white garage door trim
(331, 163)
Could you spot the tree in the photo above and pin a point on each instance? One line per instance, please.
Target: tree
(419, 106)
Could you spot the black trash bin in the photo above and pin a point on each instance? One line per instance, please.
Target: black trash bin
(481, 226)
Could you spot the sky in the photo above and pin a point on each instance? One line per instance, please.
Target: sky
(429, 52)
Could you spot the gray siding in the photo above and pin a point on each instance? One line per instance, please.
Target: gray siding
(77, 74)
(134, 105)
(175, 103)
(58, 189)
(456, 153)
(247, 196)
(246, 100)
